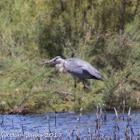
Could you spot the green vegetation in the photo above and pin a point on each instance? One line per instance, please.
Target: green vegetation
(106, 33)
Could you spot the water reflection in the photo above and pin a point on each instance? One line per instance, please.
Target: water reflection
(69, 125)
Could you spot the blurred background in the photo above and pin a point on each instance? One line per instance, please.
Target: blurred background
(106, 33)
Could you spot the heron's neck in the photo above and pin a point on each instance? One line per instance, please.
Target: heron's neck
(63, 61)
(60, 67)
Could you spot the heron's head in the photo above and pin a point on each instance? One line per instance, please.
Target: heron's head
(56, 60)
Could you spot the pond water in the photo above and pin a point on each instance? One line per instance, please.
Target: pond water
(70, 126)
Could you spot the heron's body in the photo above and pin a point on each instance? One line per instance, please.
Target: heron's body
(82, 69)
(76, 67)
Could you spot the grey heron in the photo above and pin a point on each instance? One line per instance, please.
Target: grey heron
(76, 67)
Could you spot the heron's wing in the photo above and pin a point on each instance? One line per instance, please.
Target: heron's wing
(94, 72)
(72, 67)
(78, 65)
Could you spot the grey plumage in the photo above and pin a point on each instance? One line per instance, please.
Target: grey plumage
(76, 67)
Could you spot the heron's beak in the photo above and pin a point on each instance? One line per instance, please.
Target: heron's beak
(47, 62)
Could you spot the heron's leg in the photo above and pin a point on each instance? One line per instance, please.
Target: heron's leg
(84, 83)
(74, 81)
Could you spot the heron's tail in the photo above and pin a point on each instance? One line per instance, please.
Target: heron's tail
(98, 77)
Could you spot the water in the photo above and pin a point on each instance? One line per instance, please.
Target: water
(69, 126)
